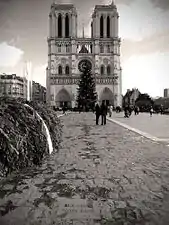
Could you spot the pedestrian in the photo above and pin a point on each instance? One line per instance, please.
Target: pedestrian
(130, 110)
(66, 109)
(103, 112)
(136, 110)
(63, 109)
(161, 109)
(126, 112)
(151, 111)
(97, 109)
(110, 110)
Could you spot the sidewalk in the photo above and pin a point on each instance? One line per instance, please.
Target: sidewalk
(155, 127)
(101, 175)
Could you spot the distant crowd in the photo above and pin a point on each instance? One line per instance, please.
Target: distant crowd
(102, 110)
(128, 110)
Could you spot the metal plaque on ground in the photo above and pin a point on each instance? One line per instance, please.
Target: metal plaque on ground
(78, 212)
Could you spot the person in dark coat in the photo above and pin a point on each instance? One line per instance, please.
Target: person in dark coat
(103, 112)
(97, 109)
(64, 109)
(151, 111)
(126, 111)
(136, 110)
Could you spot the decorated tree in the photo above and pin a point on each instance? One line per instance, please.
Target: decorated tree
(86, 91)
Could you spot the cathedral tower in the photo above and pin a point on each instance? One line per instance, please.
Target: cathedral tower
(62, 29)
(104, 30)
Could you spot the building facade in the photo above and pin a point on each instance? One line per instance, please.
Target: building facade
(166, 92)
(131, 96)
(38, 92)
(67, 53)
(13, 86)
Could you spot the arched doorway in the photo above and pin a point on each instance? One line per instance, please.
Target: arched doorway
(63, 98)
(107, 96)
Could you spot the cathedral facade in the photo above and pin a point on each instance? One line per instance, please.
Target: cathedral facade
(67, 52)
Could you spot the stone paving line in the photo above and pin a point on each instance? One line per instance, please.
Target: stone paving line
(101, 175)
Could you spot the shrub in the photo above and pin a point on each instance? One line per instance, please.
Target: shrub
(22, 142)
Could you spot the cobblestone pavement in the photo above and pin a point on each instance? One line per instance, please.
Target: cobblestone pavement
(157, 125)
(101, 175)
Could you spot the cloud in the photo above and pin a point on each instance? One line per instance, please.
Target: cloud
(3, 4)
(154, 43)
(141, 19)
(9, 55)
(124, 2)
(163, 4)
(24, 24)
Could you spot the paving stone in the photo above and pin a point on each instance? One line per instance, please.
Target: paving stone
(129, 184)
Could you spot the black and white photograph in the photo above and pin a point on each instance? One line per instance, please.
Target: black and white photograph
(84, 112)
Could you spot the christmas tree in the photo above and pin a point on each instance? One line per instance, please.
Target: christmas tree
(86, 91)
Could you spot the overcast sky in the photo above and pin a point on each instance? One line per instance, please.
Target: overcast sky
(144, 29)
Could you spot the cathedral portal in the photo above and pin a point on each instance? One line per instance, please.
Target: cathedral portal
(107, 96)
(63, 98)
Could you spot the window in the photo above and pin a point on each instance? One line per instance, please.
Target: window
(108, 48)
(101, 26)
(60, 70)
(60, 25)
(108, 70)
(67, 70)
(101, 49)
(59, 48)
(92, 29)
(52, 97)
(91, 48)
(67, 26)
(108, 26)
(102, 70)
(67, 48)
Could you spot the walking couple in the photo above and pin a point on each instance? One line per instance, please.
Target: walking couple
(101, 111)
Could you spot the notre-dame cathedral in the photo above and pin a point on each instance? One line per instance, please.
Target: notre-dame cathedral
(67, 52)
